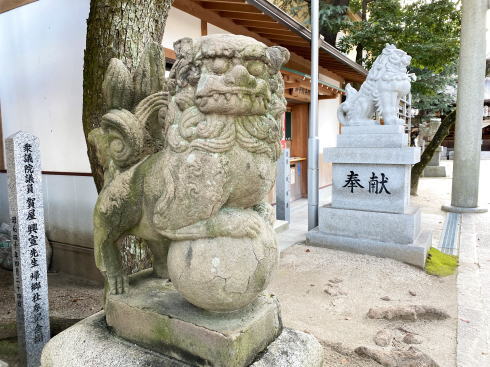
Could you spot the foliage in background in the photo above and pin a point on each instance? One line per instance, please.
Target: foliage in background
(332, 15)
(426, 30)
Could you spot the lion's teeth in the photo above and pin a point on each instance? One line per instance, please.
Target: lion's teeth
(228, 96)
(204, 102)
(216, 97)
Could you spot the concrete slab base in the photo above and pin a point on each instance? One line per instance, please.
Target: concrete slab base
(457, 209)
(155, 316)
(434, 171)
(281, 226)
(92, 343)
(414, 253)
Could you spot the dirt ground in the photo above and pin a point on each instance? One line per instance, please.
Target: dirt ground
(306, 272)
(70, 299)
(300, 283)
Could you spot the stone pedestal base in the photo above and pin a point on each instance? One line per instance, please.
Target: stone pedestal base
(434, 171)
(392, 235)
(153, 321)
(91, 343)
(458, 209)
(155, 316)
(413, 254)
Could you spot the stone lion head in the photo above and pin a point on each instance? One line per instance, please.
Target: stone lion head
(391, 62)
(226, 89)
(229, 74)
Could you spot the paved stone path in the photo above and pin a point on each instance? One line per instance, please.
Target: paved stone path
(474, 282)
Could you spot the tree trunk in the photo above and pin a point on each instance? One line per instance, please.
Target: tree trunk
(429, 151)
(360, 48)
(121, 29)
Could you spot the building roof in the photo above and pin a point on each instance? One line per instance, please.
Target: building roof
(267, 23)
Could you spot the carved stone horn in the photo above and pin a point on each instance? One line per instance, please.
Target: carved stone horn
(183, 47)
(278, 56)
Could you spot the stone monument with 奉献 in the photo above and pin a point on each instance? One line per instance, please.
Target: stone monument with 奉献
(189, 162)
(370, 211)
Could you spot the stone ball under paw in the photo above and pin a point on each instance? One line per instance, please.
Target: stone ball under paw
(223, 274)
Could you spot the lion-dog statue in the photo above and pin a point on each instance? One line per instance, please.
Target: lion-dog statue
(387, 82)
(189, 160)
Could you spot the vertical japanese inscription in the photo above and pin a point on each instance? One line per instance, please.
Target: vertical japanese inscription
(28, 245)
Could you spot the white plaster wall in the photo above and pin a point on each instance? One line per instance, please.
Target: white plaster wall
(68, 206)
(180, 25)
(41, 61)
(212, 29)
(328, 125)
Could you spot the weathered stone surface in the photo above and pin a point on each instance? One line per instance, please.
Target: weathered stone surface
(412, 312)
(383, 338)
(292, 349)
(398, 358)
(154, 315)
(387, 82)
(206, 273)
(385, 187)
(383, 227)
(91, 343)
(189, 162)
(28, 245)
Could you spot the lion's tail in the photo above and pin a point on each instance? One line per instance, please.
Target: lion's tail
(132, 127)
(343, 110)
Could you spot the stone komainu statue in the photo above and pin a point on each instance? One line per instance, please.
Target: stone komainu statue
(386, 83)
(189, 161)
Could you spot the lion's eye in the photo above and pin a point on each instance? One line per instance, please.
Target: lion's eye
(220, 65)
(256, 68)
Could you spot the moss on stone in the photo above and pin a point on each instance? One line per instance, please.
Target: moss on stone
(440, 264)
(8, 347)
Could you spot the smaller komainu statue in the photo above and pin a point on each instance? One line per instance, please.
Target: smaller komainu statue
(189, 162)
(387, 82)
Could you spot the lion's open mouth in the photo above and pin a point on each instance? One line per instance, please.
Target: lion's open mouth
(241, 102)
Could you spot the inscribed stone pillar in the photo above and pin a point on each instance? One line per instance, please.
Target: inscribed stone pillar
(28, 245)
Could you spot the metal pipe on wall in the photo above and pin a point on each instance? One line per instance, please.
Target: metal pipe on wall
(313, 143)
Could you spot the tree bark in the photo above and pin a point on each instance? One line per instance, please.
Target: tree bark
(436, 141)
(360, 48)
(120, 29)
